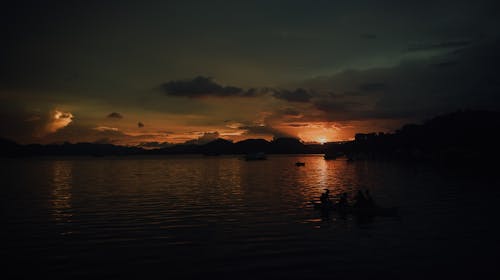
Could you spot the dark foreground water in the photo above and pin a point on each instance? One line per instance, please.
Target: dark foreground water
(192, 217)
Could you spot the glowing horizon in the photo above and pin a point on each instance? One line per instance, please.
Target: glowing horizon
(156, 79)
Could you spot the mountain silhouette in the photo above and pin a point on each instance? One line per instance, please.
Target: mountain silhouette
(457, 136)
(462, 135)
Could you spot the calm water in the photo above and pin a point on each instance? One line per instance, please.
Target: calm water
(193, 216)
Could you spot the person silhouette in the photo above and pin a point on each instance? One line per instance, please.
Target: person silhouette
(369, 199)
(325, 204)
(359, 200)
(325, 197)
(343, 202)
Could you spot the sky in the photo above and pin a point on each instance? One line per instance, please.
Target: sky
(152, 73)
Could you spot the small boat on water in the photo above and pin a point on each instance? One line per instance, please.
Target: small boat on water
(298, 163)
(255, 156)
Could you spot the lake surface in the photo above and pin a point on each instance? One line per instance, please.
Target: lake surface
(194, 216)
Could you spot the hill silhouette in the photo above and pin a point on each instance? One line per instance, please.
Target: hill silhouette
(457, 136)
(9, 148)
(225, 147)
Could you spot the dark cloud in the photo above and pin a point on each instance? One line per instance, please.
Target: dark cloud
(297, 124)
(58, 54)
(436, 46)
(203, 87)
(291, 112)
(352, 93)
(327, 105)
(140, 124)
(264, 130)
(372, 86)
(348, 111)
(20, 126)
(445, 64)
(251, 92)
(418, 89)
(205, 138)
(339, 110)
(298, 95)
(26, 126)
(52, 55)
(115, 115)
(368, 36)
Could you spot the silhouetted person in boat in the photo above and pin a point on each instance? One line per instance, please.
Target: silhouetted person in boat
(325, 198)
(325, 204)
(360, 200)
(343, 202)
(369, 199)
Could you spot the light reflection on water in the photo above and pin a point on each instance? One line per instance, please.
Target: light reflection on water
(194, 215)
(61, 193)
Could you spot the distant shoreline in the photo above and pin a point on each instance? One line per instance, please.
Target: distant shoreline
(456, 137)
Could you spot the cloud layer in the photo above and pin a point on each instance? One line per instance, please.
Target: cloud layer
(203, 86)
(460, 79)
(299, 70)
(298, 95)
(115, 115)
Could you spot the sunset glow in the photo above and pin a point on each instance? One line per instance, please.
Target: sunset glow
(59, 120)
(285, 76)
(322, 140)
(191, 139)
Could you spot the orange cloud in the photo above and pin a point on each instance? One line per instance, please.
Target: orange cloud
(58, 120)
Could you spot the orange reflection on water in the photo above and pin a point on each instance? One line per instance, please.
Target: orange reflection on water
(61, 193)
(320, 174)
(313, 178)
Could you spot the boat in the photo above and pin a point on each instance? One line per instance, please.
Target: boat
(255, 156)
(298, 163)
(359, 211)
